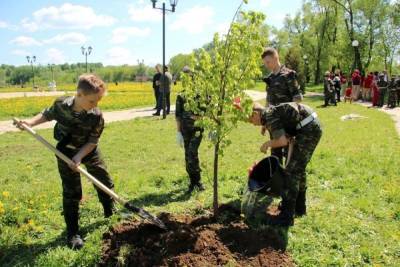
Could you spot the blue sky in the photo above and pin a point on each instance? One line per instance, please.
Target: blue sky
(120, 31)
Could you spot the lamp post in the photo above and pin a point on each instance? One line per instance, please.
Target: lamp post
(355, 45)
(53, 83)
(31, 60)
(306, 68)
(86, 52)
(141, 70)
(173, 4)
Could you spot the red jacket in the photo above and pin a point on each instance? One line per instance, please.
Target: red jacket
(356, 78)
(368, 81)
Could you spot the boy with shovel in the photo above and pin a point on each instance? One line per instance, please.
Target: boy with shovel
(78, 130)
(285, 121)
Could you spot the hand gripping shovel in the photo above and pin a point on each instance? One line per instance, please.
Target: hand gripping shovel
(141, 212)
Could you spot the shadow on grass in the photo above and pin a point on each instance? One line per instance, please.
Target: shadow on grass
(27, 253)
(161, 199)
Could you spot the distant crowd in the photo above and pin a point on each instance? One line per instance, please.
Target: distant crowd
(375, 87)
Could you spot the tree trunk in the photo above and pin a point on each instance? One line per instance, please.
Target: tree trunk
(215, 201)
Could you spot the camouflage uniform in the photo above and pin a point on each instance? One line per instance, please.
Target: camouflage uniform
(282, 87)
(282, 120)
(329, 92)
(392, 98)
(72, 131)
(382, 85)
(192, 137)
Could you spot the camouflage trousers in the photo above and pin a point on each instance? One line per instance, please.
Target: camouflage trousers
(72, 187)
(382, 93)
(392, 98)
(192, 140)
(303, 149)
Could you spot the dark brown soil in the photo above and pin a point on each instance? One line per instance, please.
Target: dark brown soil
(198, 241)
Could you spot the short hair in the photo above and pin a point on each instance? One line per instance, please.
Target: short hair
(269, 51)
(90, 84)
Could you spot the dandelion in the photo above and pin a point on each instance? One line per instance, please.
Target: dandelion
(6, 194)
(2, 210)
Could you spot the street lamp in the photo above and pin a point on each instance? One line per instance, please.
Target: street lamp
(86, 52)
(306, 68)
(31, 60)
(141, 69)
(173, 4)
(53, 83)
(355, 44)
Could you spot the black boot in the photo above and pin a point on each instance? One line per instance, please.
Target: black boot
(286, 216)
(301, 209)
(109, 209)
(200, 186)
(190, 189)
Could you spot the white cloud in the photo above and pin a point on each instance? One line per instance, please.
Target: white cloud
(194, 20)
(265, 3)
(55, 56)
(143, 12)
(68, 38)
(20, 52)
(121, 35)
(25, 41)
(67, 16)
(223, 28)
(119, 56)
(3, 24)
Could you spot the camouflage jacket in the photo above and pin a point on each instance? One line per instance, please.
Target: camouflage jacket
(74, 128)
(382, 85)
(283, 119)
(282, 87)
(185, 117)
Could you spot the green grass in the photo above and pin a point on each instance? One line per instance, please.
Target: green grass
(353, 198)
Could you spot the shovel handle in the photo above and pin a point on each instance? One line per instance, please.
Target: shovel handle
(67, 160)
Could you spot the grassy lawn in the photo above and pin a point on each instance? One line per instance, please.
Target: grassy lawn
(353, 198)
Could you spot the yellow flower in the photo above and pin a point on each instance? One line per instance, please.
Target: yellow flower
(31, 222)
(1, 208)
(6, 194)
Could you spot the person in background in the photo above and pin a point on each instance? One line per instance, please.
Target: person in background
(347, 93)
(382, 86)
(375, 90)
(366, 94)
(329, 89)
(156, 85)
(337, 85)
(165, 88)
(356, 79)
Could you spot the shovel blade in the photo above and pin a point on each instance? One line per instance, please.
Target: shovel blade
(146, 215)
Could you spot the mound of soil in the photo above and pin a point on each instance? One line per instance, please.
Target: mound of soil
(194, 241)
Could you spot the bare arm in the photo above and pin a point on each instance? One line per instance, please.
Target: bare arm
(83, 152)
(38, 119)
(275, 143)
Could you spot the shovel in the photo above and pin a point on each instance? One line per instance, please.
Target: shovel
(139, 211)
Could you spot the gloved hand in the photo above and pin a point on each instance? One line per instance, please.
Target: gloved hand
(179, 139)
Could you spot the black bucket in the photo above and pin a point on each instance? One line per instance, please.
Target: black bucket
(267, 176)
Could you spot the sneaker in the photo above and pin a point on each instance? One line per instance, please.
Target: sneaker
(156, 114)
(75, 242)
